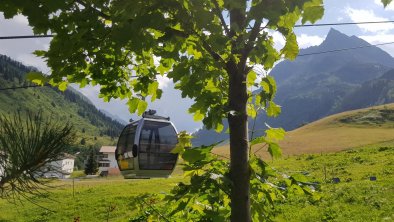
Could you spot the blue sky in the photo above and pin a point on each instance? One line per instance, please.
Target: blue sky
(171, 103)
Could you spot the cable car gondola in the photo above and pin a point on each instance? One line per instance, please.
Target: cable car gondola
(144, 147)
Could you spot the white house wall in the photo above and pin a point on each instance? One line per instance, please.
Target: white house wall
(60, 169)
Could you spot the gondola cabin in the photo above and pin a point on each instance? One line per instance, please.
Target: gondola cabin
(144, 147)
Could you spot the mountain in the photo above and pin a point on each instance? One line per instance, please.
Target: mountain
(114, 117)
(92, 126)
(335, 133)
(320, 84)
(372, 92)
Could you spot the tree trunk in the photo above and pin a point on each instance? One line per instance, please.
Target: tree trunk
(239, 152)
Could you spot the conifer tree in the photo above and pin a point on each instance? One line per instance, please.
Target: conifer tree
(91, 166)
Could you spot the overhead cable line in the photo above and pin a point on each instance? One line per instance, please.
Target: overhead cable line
(25, 36)
(344, 49)
(296, 26)
(300, 55)
(342, 23)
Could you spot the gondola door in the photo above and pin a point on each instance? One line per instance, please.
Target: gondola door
(157, 139)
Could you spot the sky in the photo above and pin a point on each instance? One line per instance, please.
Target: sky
(172, 104)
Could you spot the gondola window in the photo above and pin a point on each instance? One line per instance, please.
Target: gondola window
(125, 147)
(156, 141)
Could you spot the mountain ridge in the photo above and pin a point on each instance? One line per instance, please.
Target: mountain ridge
(312, 87)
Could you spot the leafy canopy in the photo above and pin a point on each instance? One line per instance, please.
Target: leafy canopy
(123, 45)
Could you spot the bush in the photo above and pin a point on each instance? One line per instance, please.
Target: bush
(78, 173)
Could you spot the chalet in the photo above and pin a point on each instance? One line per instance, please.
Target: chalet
(107, 162)
(61, 168)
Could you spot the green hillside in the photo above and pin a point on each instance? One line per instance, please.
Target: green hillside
(93, 128)
(336, 133)
(342, 131)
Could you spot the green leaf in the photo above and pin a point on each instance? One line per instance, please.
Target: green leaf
(198, 116)
(184, 141)
(290, 50)
(273, 110)
(386, 2)
(275, 134)
(39, 53)
(251, 78)
(288, 20)
(313, 11)
(133, 104)
(219, 127)
(258, 140)
(142, 105)
(63, 86)
(83, 83)
(258, 165)
(152, 89)
(37, 78)
(192, 51)
(268, 84)
(162, 69)
(194, 155)
(274, 150)
(251, 111)
(211, 86)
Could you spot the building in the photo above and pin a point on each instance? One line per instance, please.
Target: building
(107, 162)
(60, 169)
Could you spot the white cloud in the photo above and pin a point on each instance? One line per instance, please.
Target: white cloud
(163, 81)
(305, 40)
(20, 19)
(363, 15)
(390, 7)
(376, 39)
(32, 60)
(279, 40)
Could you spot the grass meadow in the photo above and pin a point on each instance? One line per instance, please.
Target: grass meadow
(355, 198)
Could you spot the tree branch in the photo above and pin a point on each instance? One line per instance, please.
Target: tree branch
(170, 32)
(209, 49)
(219, 13)
(252, 38)
(205, 45)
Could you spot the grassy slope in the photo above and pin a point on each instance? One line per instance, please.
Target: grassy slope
(357, 200)
(90, 203)
(335, 133)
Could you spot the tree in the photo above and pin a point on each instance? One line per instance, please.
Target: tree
(27, 144)
(91, 166)
(386, 2)
(208, 47)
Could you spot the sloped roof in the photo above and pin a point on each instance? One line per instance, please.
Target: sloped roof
(107, 149)
(68, 156)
